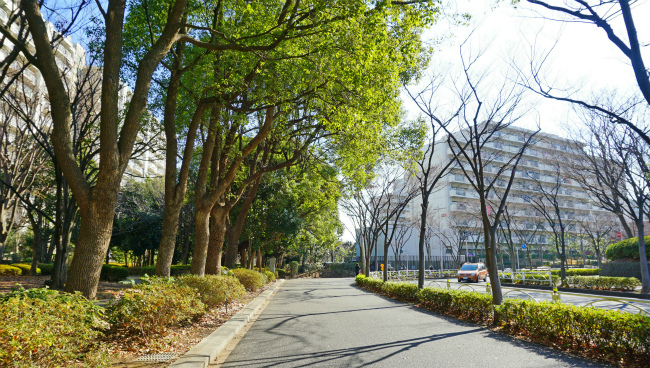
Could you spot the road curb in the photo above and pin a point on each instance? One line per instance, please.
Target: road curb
(207, 350)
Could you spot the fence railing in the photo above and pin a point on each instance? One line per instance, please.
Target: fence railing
(413, 274)
(527, 277)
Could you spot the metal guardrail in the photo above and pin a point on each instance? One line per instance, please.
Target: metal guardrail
(536, 277)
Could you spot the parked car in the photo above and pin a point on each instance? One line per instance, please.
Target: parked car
(472, 272)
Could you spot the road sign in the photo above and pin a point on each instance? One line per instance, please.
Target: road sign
(619, 235)
(523, 246)
(401, 251)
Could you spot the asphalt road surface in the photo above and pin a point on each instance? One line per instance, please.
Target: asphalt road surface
(331, 323)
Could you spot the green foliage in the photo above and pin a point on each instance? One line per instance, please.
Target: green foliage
(619, 337)
(24, 268)
(149, 309)
(213, 290)
(270, 276)
(252, 280)
(627, 249)
(45, 328)
(113, 273)
(293, 266)
(604, 283)
(281, 273)
(46, 268)
(578, 272)
(6, 270)
(467, 305)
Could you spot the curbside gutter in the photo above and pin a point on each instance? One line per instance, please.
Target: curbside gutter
(207, 350)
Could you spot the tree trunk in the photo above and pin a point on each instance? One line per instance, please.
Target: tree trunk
(201, 241)
(491, 260)
(94, 238)
(218, 217)
(423, 227)
(244, 258)
(168, 238)
(643, 258)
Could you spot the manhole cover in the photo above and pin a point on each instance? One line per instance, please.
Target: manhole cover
(156, 358)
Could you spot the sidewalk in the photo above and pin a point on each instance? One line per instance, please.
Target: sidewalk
(331, 323)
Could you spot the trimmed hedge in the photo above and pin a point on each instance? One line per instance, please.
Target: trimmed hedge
(6, 270)
(252, 280)
(627, 249)
(604, 283)
(213, 290)
(578, 272)
(175, 270)
(621, 338)
(149, 309)
(24, 268)
(45, 328)
(281, 273)
(113, 273)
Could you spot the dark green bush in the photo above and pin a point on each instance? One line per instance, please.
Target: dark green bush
(578, 272)
(6, 270)
(293, 267)
(149, 309)
(213, 290)
(24, 268)
(252, 280)
(113, 273)
(46, 268)
(627, 249)
(623, 338)
(179, 270)
(45, 328)
(604, 283)
(281, 273)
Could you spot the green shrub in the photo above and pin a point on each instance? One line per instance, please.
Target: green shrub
(604, 283)
(627, 249)
(113, 273)
(621, 337)
(149, 309)
(45, 328)
(179, 270)
(281, 273)
(46, 268)
(252, 280)
(270, 276)
(24, 268)
(6, 270)
(293, 266)
(213, 290)
(579, 272)
(141, 271)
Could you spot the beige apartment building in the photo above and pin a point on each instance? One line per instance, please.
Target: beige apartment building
(454, 212)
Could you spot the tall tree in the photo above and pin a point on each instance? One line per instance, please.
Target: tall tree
(117, 137)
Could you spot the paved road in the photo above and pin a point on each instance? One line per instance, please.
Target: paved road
(567, 298)
(331, 323)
